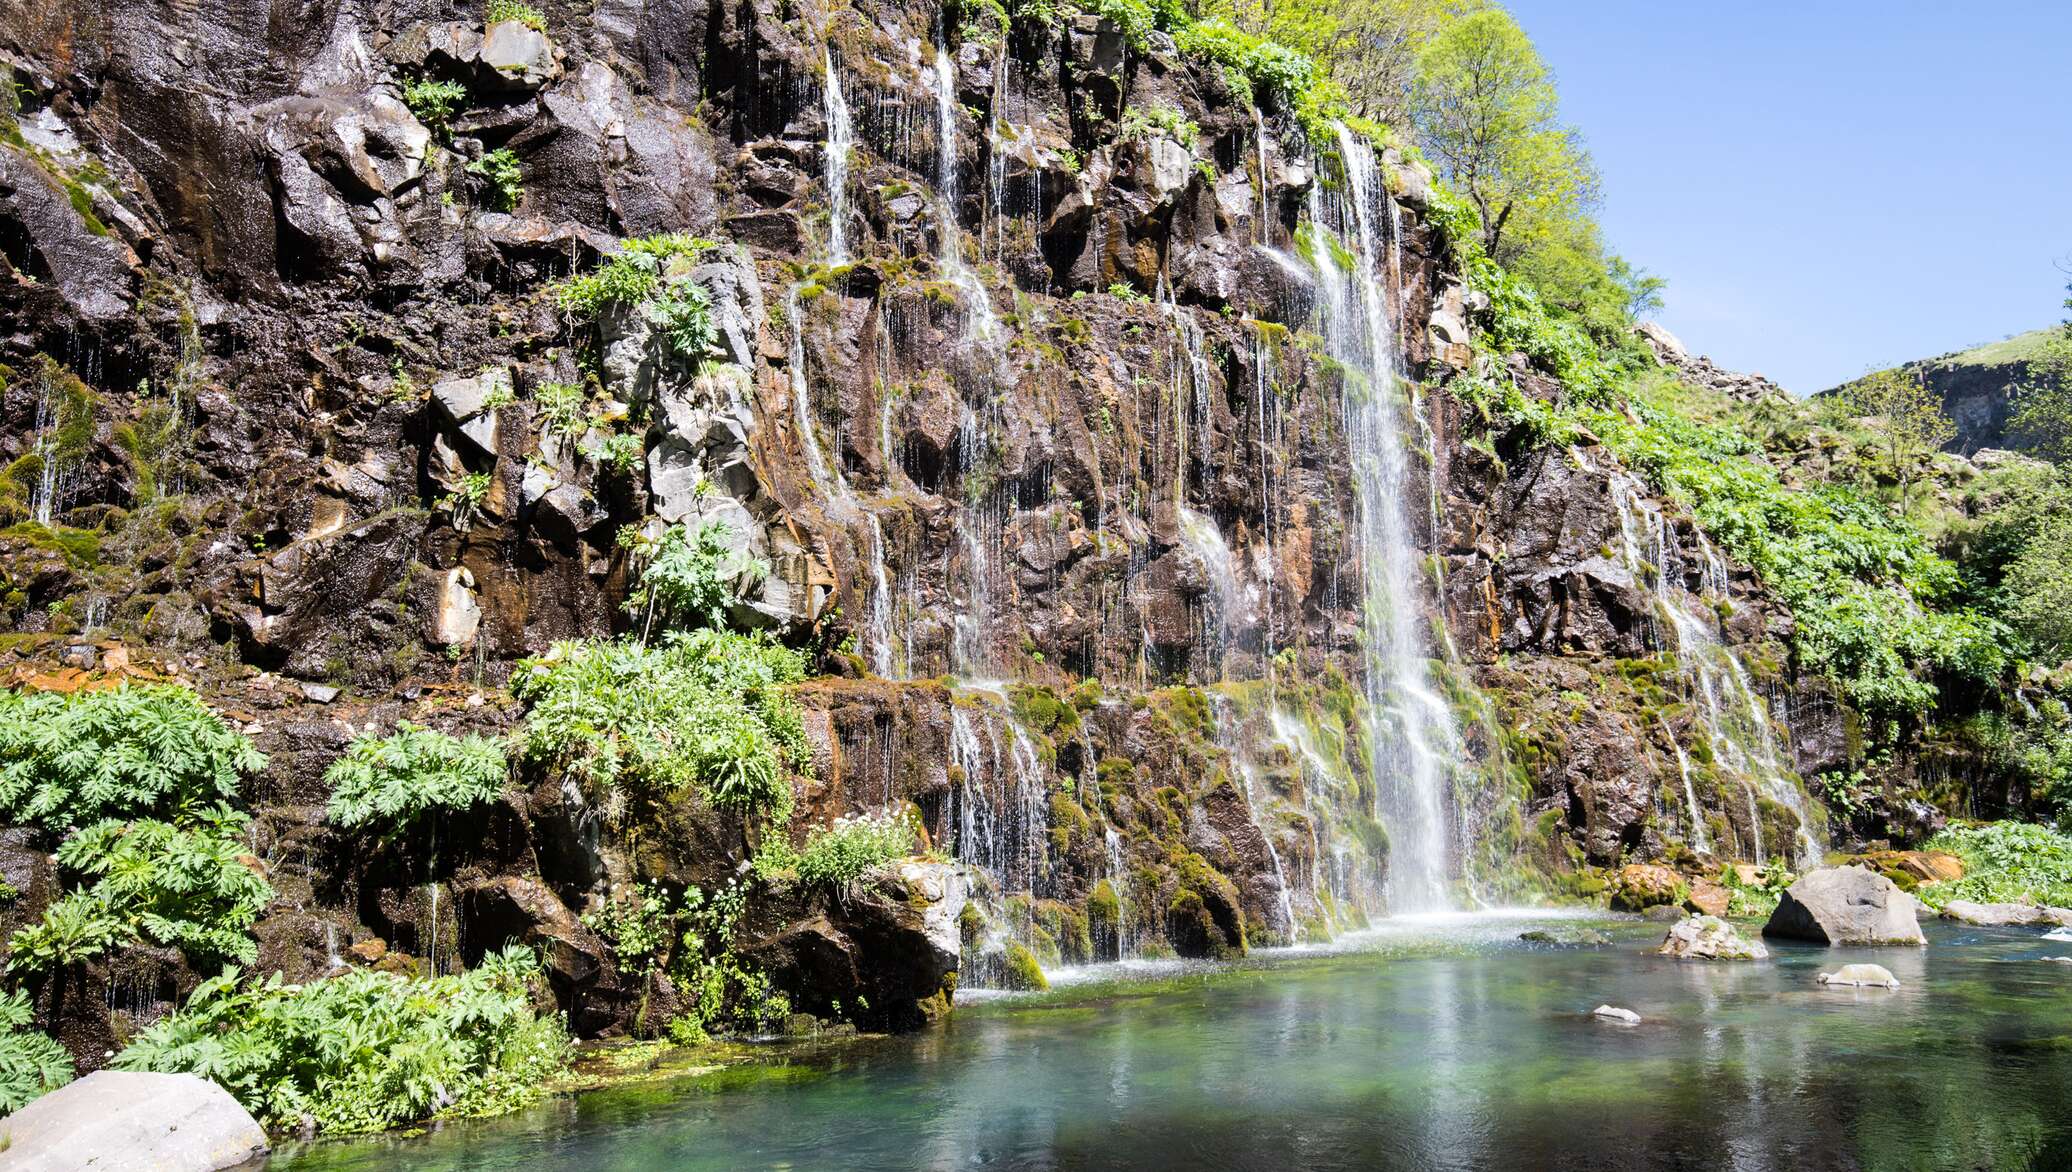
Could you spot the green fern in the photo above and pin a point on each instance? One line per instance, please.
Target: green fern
(186, 887)
(123, 753)
(708, 710)
(397, 779)
(365, 1050)
(30, 1062)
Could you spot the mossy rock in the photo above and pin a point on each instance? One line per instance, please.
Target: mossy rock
(1020, 972)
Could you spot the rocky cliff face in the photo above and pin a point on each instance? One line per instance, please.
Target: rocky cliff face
(1090, 421)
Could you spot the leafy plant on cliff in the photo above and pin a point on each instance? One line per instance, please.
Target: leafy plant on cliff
(628, 276)
(708, 710)
(1878, 611)
(506, 176)
(71, 760)
(691, 937)
(399, 778)
(433, 102)
(683, 309)
(687, 578)
(187, 887)
(31, 1063)
(497, 11)
(2005, 862)
(837, 855)
(365, 1050)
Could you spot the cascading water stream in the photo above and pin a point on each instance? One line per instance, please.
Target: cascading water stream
(1410, 727)
(841, 139)
(1735, 719)
(979, 322)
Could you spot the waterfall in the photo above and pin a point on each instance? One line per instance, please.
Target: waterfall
(979, 322)
(841, 138)
(1232, 610)
(1265, 180)
(1735, 719)
(1118, 882)
(43, 504)
(831, 486)
(1410, 728)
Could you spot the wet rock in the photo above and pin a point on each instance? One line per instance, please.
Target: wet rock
(1019, 973)
(882, 945)
(1846, 906)
(469, 405)
(521, 910)
(1637, 887)
(1861, 975)
(90, 269)
(1710, 938)
(2006, 915)
(120, 1119)
(1614, 1013)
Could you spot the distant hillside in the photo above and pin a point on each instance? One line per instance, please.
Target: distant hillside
(1977, 386)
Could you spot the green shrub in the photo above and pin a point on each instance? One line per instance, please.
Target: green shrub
(498, 11)
(2005, 862)
(640, 927)
(433, 102)
(399, 778)
(706, 710)
(684, 311)
(129, 751)
(628, 276)
(74, 929)
(184, 887)
(30, 1062)
(506, 177)
(365, 1050)
(686, 579)
(837, 855)
(561, 407)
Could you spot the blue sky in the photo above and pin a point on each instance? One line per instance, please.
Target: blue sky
(1830, 185)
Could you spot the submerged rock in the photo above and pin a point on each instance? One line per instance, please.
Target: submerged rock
(1614, 1013)
(1846, 906)
(121, 1119)
(1869, 976)
(1566, 937)
(2007, 915)
(1710, 938)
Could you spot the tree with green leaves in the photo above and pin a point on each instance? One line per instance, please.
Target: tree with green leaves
(1485, 108)
(1915, 426)
(2042, 419)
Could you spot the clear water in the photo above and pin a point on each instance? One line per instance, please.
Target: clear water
(1437, 1044)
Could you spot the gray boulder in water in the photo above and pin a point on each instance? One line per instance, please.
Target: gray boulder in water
(120, 1119)
(1846, 906)
(2007, 915)
(1710, 938)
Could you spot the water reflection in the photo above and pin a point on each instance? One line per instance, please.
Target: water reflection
(1441, 1045)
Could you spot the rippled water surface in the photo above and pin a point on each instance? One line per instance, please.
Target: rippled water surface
(1433, 1044)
